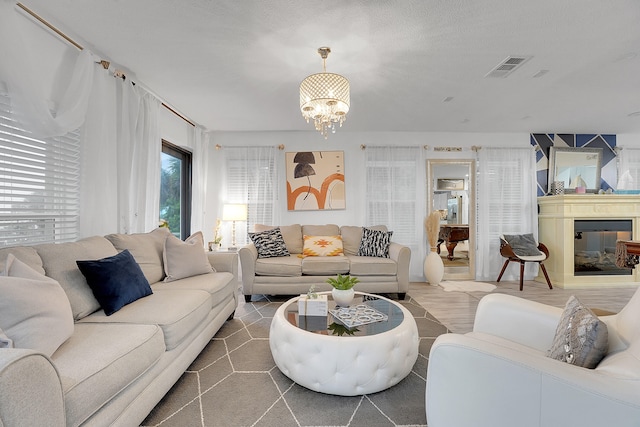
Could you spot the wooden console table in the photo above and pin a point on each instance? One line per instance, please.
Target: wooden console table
(451, 235)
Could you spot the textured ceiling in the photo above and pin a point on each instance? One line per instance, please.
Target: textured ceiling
(235, 65)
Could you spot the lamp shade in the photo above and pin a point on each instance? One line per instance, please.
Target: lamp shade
(234, 212)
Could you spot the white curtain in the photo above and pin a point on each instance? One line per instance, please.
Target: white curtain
(628, 169)
(121, 148)
(99, 182)
(506, 204)
(144, 187)
(200, 145)
(394, 198)
(22, 75)
(251, 178)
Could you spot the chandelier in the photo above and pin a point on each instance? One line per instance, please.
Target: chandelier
(324, 98)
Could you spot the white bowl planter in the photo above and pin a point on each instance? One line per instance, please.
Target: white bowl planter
(343, 297)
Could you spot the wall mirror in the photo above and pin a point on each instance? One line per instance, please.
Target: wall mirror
(451, 192)
(576, 167)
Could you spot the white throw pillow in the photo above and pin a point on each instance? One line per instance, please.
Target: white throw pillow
(185, 259)
(34, 309)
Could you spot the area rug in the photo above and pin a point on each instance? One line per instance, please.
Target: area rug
(466, 286)
(235, 382)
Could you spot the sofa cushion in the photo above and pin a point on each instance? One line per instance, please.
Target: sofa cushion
(100, 360)
(322, 246)
(59, 262)
(286, 266)
(176, 311)
(216, 284)
(269, 243)
(352, 236)
(292, 235)
(26, 254)
(185, 259)
(115, 281)
(34, 310)
(581, 338)
(375, 243)
(320, 230)
(146, 248)
(372, 266)
(325, 265)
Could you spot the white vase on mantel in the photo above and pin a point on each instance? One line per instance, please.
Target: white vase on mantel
(343, 297)
(433, 268)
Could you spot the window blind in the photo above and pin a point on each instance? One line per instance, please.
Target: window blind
(39, 183)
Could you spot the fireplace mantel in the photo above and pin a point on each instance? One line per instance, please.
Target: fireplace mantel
(556, 218)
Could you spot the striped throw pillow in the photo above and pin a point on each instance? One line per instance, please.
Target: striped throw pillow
(375, 243)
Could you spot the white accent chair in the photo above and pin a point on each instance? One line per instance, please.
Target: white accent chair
(499, 375)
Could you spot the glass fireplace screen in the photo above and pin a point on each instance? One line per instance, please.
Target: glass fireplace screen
(595, 246)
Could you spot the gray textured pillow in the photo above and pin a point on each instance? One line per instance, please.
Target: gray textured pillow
(185, 259)
(270, 243)
(522, 244)
(34, 310)
(581, 338)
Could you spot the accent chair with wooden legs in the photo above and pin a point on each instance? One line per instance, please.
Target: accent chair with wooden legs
(514, 250)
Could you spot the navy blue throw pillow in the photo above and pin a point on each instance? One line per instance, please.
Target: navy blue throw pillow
(115, 281)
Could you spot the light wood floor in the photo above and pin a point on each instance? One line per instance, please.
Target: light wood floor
(456, 310)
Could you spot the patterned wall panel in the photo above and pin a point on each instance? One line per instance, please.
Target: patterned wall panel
(544, 141)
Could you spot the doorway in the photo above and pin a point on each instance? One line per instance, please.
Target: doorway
(451, 192)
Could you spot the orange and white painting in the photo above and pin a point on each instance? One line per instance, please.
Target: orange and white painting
(315, 180)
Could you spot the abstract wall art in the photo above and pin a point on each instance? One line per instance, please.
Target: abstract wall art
(315, 180)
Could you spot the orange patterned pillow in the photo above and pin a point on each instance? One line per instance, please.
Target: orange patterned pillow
(322, 246)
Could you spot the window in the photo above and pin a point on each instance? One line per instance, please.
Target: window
(175, 189)
(392, 176)
(251, 179)
(39, 183)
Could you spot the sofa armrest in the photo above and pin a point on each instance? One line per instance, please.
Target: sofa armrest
(30, 390)
(473, 382)
(224, 261)
(402, 256)
(526, 322)
(248, 256)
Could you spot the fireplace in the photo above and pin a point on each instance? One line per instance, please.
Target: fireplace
(580, 231)
(594, 246)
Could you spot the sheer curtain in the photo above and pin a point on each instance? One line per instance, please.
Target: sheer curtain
(506, 205)
(252, 178)
(200, 144)
(394, 198)
(21, 73)
(120, 188)
(629, 169)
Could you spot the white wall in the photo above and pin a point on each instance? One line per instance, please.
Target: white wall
(354, 156)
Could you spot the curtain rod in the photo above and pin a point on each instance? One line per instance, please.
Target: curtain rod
(79, 47)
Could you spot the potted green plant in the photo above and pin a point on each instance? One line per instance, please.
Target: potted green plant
(343, 289)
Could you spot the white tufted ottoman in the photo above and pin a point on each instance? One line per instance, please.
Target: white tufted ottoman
(379, 356)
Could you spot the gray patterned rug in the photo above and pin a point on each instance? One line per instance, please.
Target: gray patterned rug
(235, 382)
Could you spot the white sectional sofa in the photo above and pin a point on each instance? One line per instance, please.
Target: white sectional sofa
(114, 369)
(296, 272)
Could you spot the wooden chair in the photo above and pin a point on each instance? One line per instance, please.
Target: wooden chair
(507, 251)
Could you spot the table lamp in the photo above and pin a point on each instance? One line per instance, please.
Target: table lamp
(234, 212)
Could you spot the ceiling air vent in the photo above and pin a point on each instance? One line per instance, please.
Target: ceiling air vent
(507, 66)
